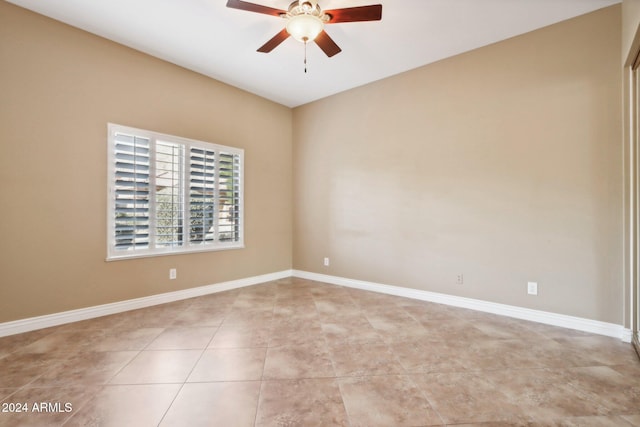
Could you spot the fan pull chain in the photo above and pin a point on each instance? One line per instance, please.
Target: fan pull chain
(305, 55)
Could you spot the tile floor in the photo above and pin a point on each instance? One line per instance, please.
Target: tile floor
(301, 353)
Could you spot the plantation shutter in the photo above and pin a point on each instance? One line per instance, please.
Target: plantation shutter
(171, 195)
(229, 197)
(131, 211)
(201, 195)
(168, 186)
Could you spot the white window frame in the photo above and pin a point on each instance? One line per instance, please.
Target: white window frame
(187, 246)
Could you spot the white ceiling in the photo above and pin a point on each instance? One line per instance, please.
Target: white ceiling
(207, 37)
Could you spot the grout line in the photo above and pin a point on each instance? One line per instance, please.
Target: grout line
(186, 379)
(284, 302)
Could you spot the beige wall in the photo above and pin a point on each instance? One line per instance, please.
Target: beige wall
(503, 164)
(630, 48)
(59, 87)
(630, 22)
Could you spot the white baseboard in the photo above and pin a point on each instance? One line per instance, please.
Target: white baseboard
(581, 324)
(571, 322)
(46, 321)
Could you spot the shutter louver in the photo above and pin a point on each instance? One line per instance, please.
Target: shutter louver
(131, 192)
(201, 195)
(168, 194)
(229, 197)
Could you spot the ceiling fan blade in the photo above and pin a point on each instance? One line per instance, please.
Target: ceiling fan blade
(355, 14)
(326, 43)
(252, 7)
(274, 42)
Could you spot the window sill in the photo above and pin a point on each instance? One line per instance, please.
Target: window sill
(182, 251)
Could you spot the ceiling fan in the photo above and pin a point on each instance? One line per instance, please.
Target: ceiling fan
(305, 21)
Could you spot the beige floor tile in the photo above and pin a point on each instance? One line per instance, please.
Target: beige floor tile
(249, 316)
(543, 394)
(502, 328)
(417, 356)
(451, 329)
(505, 424)
(394, 320)
(294, 332)
(287, 347)
(219, 302)
(308, 403)
(310, 360)
(126, 406)
(233, 335)
(97, 323)
(152, 317)
(62, 343)
(390, 318)
(332, 307)
(183, 338)
(214, 404)
(200, 316)
(633, 419)
(302, 308)
(553, 332)
(18, 370)
(250, 300)
(125, 339)
(158, 366)
(606, 387)
(356, 359)
(374, 300)
(599, 421)
(91, 368)
(467, 398)
(13, 343)
(427, 311)
(602, 350)
(350, 329)
(388, 400)
(629, 370)
(550, 353)
(492, 354)
(6, 392)
(229, 364)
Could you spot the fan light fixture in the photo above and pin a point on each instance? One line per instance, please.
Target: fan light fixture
(304, 28)
(306, 20)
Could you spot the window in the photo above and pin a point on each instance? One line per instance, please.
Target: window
(171, 195)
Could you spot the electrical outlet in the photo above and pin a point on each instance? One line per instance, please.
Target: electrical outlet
(532, 288)
(173, 273)
(326, 262)
(459, 279)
